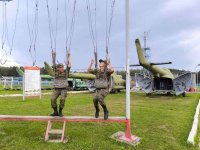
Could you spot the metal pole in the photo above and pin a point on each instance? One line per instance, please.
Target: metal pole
(11, 84)
(4, 82)
(24, 85)
(197, 81)
(40, 87)
(197, 76)
(128, 128)
(195, 70)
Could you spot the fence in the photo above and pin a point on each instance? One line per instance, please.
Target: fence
(16, 83)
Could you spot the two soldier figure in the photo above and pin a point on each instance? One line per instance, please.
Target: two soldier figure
(61, 84)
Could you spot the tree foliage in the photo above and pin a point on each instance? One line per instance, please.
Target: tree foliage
(8, 71)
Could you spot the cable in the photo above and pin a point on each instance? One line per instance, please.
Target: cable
(72, 24)
(3, 18)
(69, 36)
(52, 34)
(4, 35)
(93, 30)
(36, 31)
(3, 58)
(56, 30)
(50, 25)
(95, 18)
(108, 26)
(15, 27)
(33, 32)
(5, 32)
(6, 25)
(66, 25)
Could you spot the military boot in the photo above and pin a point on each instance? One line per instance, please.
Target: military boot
(97, 112)
(55, 113)
(60, 112)
(106, 113)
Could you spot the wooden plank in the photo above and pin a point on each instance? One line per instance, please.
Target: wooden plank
(60, 119)
(63, 132)
(47, 131)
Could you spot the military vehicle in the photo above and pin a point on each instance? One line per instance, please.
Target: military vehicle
(77, 84)
(161, 80)
(47, 81)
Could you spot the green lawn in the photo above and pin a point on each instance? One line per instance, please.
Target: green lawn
(198, 88)
(10, 92)
(162, 122)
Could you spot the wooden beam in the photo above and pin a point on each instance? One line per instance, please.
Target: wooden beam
(60, 119)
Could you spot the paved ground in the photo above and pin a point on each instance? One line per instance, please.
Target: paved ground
(20, 95)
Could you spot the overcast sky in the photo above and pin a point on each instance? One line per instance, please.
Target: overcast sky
(173, 26)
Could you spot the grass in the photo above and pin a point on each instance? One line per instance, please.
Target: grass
(10, 92)
(162, 122)
(198, 88)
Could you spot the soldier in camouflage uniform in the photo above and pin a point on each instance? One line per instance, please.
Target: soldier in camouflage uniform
(60, 85)
(102, 85)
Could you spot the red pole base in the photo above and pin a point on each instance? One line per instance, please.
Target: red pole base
(128, 129)
(127, 136)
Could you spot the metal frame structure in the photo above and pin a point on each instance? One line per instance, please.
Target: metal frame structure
(65, 120)
(126, 136)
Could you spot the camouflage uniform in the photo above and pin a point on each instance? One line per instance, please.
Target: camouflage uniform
(59, 90)
(100, 94)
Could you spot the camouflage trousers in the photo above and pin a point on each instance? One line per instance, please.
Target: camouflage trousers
(55, 94)
(99, 97)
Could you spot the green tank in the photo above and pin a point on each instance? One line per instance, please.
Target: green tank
(88, 76)
(117, 83)
(19, 71)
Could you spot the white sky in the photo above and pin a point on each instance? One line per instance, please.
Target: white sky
(174, 35)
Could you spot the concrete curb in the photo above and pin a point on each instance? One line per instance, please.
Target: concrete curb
(193, 131)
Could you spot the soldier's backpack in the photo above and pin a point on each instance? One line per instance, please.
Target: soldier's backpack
(60, 80)
(60, 83)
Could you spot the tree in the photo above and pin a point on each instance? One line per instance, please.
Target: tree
(8, 71)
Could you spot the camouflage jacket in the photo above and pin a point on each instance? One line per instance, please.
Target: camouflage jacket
(102, 78)
(60, 79)
(63, 75)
